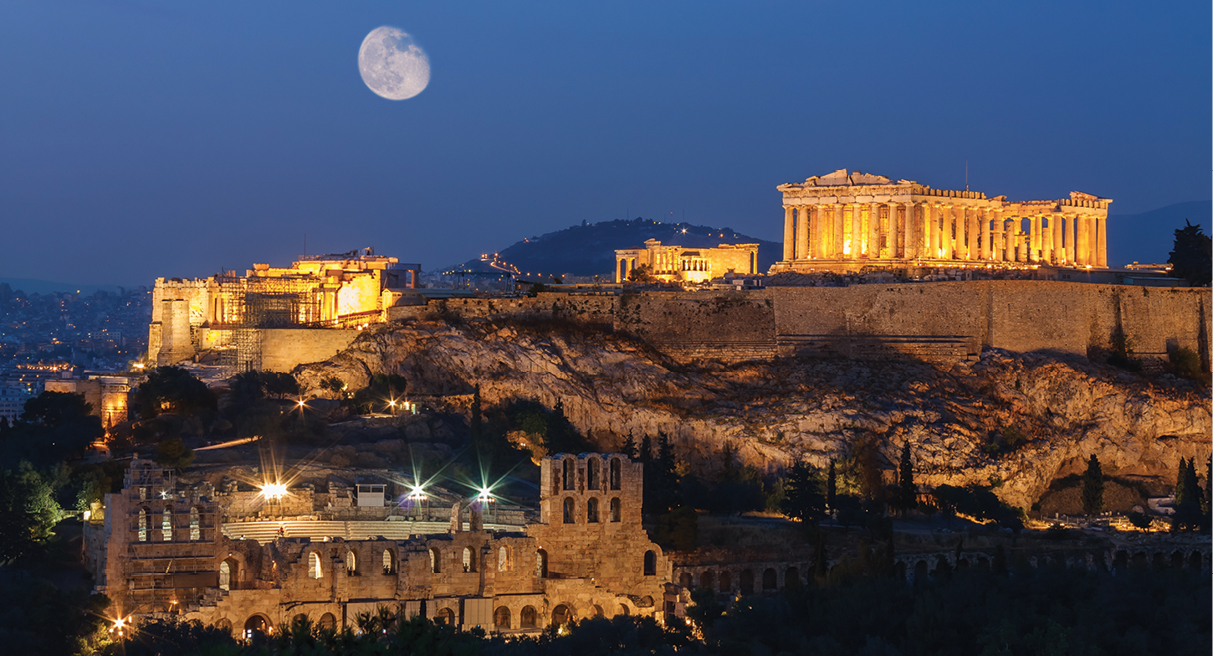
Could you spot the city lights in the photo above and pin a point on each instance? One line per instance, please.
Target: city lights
(274, 490)
(417, 493)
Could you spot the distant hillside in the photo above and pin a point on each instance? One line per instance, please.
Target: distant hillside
(1149, 236)
(589, 249)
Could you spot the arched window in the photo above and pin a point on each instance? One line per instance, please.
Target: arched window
(195, 525)
(166, 524)
(598, 611)
(143, 525)
(255, 625)
(726, 582)
(562, 615)
(541, 564)
(445, 616)
(351, 562)
(568, 476)
(707, 579)
(224, 624)
(435, 561)
(568, 511)
(389, 563)
(501, 618)
(328, 622)
(650, 563)
(747, 582)
(314, 570)
(616, 510)
(527, 618)
(685, 580)
(616, 473)
(769, 579)
(503, 560)
(592, 479)
(591, 510)
(469, 560)
(225, 576)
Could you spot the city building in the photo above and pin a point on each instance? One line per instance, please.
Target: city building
(686, 265)
(160, 547)
(108, 394)
(846, 221)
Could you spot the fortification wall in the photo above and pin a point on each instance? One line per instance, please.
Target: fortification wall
(283, 349)
(945, 320)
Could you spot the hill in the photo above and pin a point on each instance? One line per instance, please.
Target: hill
(589, 249)
(1149, 236)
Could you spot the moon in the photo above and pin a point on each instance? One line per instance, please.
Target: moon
(392, 65)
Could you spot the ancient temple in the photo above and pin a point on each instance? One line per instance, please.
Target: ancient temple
(849, 220)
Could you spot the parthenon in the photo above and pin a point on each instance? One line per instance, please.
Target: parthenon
(848, 220)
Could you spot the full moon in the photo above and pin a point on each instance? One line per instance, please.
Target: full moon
(392, 65)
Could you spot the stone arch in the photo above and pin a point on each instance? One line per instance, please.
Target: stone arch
(591, 510)
(593, 474)
(503, 559)
(541, 563)
(229, 574)
(257, 623)
(351, 562)
(920, 571)
(616, 509)
(435, 561)
(501, 617)
(569, 510)
(166, 524)
(568, 475)
(616, 474)
(707, 579)
(445, 616)
(195, 524)
(746, 582)
(389, 562)
(770, 580)
(142, 526)
(942, 566)
(469, 560)
(686, 580)
(726, 581)
(528, 618)
(562, 615)
(314, 569)
(328, 622)
(623, 610)
(650, 563)
(223, 624)
(1177, 560)
(597, 611)
(791, 578)
(646, 602)
(299, 619)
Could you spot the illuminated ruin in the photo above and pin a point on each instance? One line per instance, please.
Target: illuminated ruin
(846, 221)
(235, 315)
(685, 264)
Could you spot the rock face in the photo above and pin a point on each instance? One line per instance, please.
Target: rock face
(772, 413)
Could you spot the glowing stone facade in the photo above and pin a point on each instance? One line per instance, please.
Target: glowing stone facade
(850, 220)
(685, 264)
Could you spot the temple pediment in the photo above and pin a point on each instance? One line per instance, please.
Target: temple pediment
(843, 178)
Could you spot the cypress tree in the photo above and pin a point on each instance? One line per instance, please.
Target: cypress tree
(629, 446)
(1187, 507)
(831, 487)
(646, 449)
(1180, 479)
(1092, 487)
(907, 492)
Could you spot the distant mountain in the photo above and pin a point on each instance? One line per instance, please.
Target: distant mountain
(589, 249)
(1149, 236)
(32, 286)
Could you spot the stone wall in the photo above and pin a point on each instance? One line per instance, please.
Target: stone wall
(283, 349)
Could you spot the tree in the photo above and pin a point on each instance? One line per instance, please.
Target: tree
(173, 454)
(1092, 487)
(28, 512)
(629, 447)
(641, 274)
(907, 492)
(1192, 256)
(175, 390)
(1188, 514)
(55, 409)
(803, 499)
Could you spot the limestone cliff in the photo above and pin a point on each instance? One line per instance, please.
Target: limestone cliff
(772, 412)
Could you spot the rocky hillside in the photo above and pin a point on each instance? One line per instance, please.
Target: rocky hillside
(1059, 411)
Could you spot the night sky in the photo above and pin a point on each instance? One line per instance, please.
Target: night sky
(144, 139)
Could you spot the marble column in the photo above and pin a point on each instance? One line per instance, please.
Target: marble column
(1084, 241)
(950, 220)
(909, 244)
(962, 222)
(1101, 244)
(874, 232)
(1046, 243)
(789, 234)
(839, 232)
(802, 232)
(983, 233)
(999, 248)
(928, 232)
(1071, 230)
(1055, 224)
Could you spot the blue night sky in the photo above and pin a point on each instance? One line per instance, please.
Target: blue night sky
(144, 139)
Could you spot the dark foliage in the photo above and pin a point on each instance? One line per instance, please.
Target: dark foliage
(173, 390)
(1092, 487)
(1192, 255)
(803, 498)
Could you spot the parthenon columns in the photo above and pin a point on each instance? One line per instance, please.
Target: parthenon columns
(789, 233)
(802, 232)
